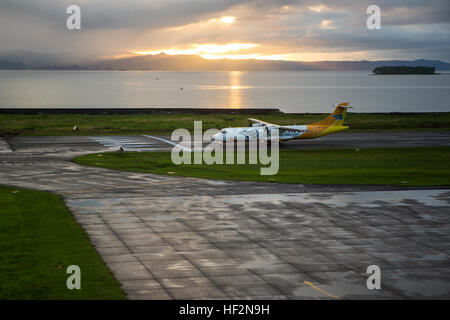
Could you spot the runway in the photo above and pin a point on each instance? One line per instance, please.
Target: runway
(167, 237)
(155, 142)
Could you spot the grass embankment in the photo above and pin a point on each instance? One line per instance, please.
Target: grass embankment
(48, 124)
(385, 166)
(39, 239)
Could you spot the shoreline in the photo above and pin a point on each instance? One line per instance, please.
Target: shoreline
(168, 111)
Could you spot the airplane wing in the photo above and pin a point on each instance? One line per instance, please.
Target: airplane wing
(285, 133)
(259, 123)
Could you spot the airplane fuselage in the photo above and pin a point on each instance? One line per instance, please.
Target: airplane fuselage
(255, 133)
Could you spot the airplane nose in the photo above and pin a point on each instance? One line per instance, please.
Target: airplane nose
(217, 137)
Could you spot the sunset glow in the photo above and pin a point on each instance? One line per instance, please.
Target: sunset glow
(228, 19)
(256, 56)
(327, 24)
(215, 51)
(318, 8)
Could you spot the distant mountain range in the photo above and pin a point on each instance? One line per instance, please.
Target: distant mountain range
(164, 62)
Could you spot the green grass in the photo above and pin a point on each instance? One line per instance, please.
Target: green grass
(39, 239)
(48, 124)
(425, 166)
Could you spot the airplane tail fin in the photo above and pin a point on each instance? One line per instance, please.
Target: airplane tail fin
(336, 118)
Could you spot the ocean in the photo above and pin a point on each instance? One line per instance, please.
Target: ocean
(296, 91)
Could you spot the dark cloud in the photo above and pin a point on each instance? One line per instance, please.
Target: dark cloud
(109, 14)
(411, 28)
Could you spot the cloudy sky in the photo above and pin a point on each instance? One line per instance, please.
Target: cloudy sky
(307, 30)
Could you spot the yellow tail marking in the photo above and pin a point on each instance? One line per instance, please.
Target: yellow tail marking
(336, 118)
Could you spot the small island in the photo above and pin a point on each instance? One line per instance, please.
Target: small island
(404, 70)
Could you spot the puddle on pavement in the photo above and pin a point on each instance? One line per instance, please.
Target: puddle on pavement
(342, 199)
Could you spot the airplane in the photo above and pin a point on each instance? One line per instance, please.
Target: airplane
(261, 130)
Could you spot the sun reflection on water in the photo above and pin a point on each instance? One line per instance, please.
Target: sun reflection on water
(235, 99)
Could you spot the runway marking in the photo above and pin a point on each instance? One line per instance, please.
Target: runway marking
(128, 143)
(320, 290)
(169, 142)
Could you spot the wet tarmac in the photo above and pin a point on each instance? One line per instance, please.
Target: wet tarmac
(150, 142)
(166, 237)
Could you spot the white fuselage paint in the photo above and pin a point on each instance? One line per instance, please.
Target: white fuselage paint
(255, 133)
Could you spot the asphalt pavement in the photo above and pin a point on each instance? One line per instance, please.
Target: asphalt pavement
(155, 142)
(167, 237)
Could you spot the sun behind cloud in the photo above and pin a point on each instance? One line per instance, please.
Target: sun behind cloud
(228, 19)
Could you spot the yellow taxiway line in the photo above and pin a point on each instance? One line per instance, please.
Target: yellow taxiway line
(320, 290)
